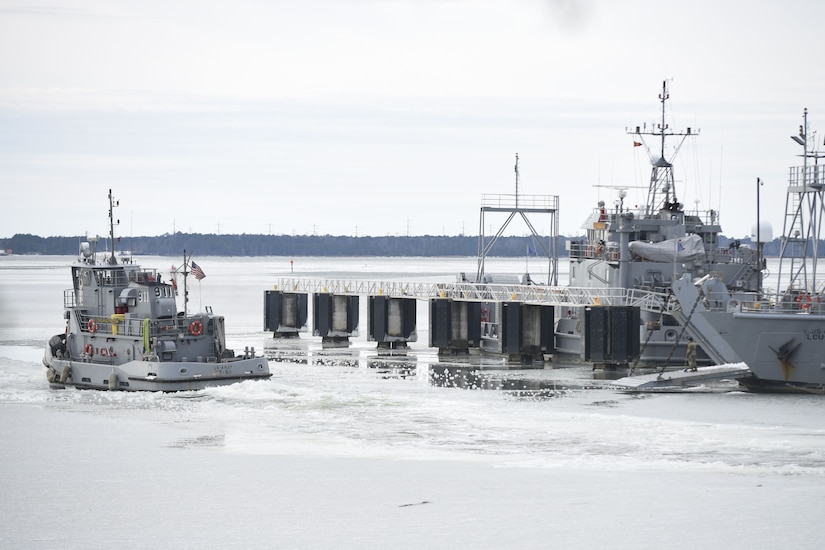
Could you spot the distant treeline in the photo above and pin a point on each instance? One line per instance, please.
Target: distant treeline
(308, 245)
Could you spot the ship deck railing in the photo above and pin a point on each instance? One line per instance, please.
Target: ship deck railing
(562, 296)
(764, 306)
(69, 300)
(610, 216)
(804, 305)
(120, 324)
(807, 178)
(536, 203)
(581, 249)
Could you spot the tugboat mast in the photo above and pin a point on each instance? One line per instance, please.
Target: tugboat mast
(186, 282)
(112, 204)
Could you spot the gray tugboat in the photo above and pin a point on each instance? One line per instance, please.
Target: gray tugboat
(648, 248)
(779, 335)
(124, 332)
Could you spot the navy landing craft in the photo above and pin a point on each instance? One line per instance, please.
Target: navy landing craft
(647, 249)
(124, 332)
(780, 334)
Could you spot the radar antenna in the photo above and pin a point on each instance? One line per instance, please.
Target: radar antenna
(621, 193)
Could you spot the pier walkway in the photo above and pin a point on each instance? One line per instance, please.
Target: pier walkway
(560, 296)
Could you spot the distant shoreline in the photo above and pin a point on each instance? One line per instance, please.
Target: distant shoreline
(313, 245)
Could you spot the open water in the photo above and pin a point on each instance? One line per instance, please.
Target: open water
(354, 449)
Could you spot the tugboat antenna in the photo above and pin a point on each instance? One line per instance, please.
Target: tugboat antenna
(185, 283)
(112, 204)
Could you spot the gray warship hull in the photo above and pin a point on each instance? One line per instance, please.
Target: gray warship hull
(779, 334)
(645, 249)
(782, 345)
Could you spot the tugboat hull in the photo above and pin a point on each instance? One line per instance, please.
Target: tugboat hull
(153, 375)
(124, 332)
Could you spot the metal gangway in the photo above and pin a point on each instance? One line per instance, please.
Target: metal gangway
(560, 296)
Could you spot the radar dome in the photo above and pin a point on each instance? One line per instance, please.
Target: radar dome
(765, 232)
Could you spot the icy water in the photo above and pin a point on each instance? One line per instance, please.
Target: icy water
(352, 449)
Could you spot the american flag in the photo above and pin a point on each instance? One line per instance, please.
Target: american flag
(197, 271)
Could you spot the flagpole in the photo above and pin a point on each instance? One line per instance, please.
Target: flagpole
(197, 271)
(185, 284)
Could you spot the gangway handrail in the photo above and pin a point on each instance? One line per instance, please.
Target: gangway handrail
(564, 296)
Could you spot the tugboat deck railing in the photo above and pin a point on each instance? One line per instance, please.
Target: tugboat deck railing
(136, 326)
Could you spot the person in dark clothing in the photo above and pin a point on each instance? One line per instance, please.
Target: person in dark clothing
(691, 355)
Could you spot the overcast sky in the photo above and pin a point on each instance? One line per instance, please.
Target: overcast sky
(390, 117)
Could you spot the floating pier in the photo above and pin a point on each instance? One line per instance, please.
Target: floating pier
(455, 326)
(335, 318)
(515, 321)
(285, 313)
(611, 335)
(391, 321)
(519, 330)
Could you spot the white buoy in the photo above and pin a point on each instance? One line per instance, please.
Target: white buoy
(66, 374)
(113, 381)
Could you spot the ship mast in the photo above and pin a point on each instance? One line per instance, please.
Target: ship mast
(661, 193)
(112, 204)
(804, 213)
(516, 180)
(186, 283)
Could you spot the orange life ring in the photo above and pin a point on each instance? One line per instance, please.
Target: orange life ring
(91, 325)
(804, 301)
(89, 349)
(196, 328)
